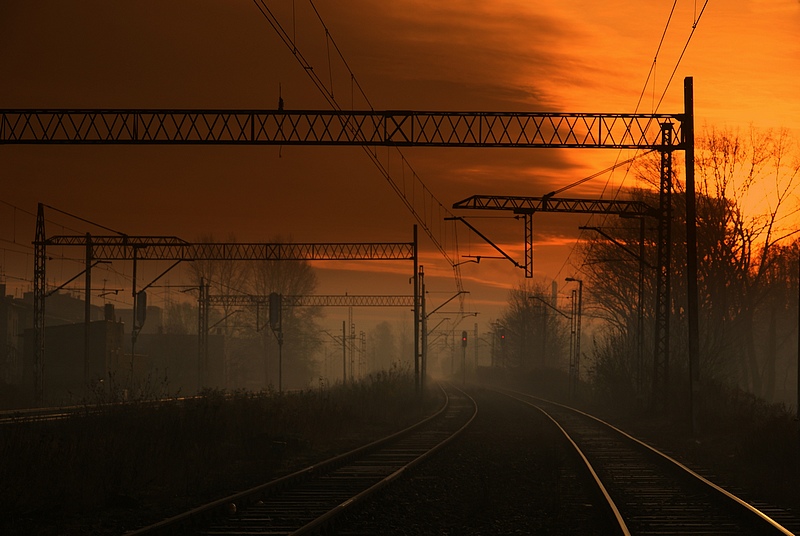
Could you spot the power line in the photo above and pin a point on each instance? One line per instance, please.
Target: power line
(685, 46)
(434, 211)
(84, 220)
(29, 213)
(655, 109)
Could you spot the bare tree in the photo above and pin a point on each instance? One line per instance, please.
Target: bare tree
(746, 210)
(224, 277)
(382, 348)
(300, 331)
(530, 334)
(751, 181)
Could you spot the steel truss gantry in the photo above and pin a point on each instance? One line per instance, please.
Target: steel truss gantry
(380, 128)
(528, 206)
(317, 300)
(175, 249)
(394, 128)
(171, 248)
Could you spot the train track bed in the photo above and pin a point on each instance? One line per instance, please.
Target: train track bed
(509, 473)
(653, 494)
(123, 469)
(311, 499)
(753, 461)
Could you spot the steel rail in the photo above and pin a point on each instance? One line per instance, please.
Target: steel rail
(773, 525)
(598, 482)
(28, 415)
(217, 509)
(326, 518)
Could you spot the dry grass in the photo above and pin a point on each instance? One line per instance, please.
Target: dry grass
(141, 456)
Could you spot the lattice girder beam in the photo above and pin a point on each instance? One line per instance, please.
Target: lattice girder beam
(112, 248)
(313, 127)
(171, 248)
(317, 300)
(527, 205)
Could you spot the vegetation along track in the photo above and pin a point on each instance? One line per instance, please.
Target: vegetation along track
(309, 500)
(647, 491)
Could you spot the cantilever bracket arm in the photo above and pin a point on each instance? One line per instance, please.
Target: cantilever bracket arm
(486, 239)
(53, 291)
(451, 298)
(165, 272)
(559, 311)
(617, 243)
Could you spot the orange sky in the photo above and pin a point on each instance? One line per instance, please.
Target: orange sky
(572, 56)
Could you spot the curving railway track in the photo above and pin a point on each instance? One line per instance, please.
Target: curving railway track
(647, 491)
(310, 500)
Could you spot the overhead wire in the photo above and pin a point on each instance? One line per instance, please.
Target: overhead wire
(423, 217)
(695, 21)
(84, 220)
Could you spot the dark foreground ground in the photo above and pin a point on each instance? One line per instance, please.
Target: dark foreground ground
(508, 474)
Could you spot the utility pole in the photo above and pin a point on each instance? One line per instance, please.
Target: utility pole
(87, 311)
(276, 324)
(691, 249)
(578, 329)
(475, 348)
(424, 329)
(464, 358)
(344, 352)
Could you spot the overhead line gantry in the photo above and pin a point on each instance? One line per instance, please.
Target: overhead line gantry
(317, 300)
(282, 127)
(662, 132)
(171, 248)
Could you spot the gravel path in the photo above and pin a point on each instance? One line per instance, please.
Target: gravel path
(511, 472)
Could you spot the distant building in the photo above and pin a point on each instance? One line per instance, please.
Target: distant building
(164, 363)
(16, 317)
(68, 376)
(10, 339)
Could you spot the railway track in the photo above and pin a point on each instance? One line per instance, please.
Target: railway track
(647, 491)
(31, 415)
(309, 501)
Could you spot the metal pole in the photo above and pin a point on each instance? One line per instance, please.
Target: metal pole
(572, 317)
(87, 310)
(417, 376)
(464, 365)
(206, 320)
(133, 323)
(493, 349)
(687, 129)
(39, 284)
(578, 335)
(577, 328)
(475, 350)
(352, 340)
(640, 324)
(528, 220)
(344, 352)
(280, 362)
(424, 330)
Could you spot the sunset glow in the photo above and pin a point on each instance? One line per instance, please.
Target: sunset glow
(507, 56)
